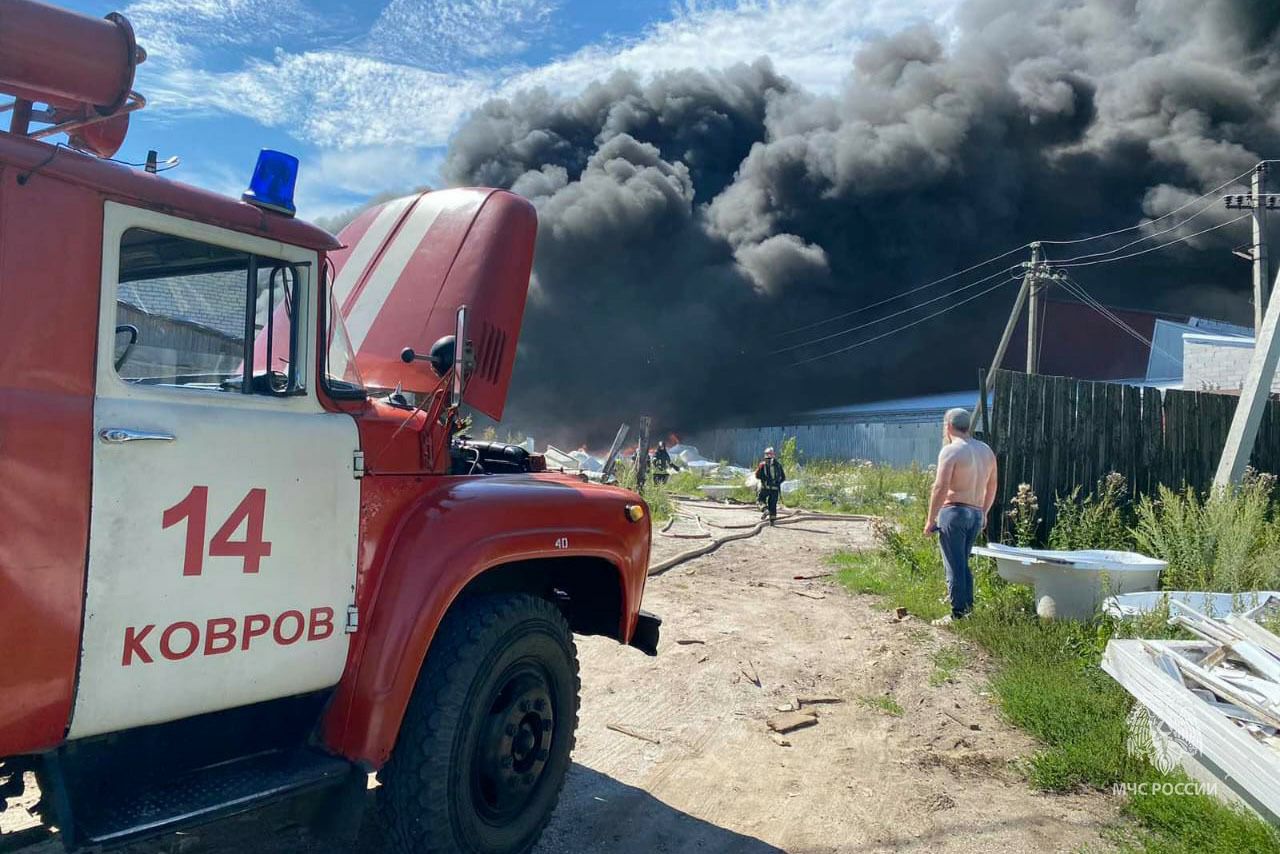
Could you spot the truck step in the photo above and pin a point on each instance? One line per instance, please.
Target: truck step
(130, 812)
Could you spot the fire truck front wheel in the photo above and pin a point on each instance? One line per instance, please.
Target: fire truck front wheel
(484, 747)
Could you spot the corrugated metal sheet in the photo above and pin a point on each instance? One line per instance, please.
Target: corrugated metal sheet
(897, 443)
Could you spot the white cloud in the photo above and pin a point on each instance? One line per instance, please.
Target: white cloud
(811, 41)
(333, 100)
(374, 170)
(441, 34)
(176, 31)
(345, 99)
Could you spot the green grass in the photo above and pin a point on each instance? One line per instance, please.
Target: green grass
(882, 703)
(1047, 681)
(946, 662)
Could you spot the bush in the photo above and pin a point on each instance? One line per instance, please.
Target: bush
(1098, 521)
(1229, 542)
(789, 456)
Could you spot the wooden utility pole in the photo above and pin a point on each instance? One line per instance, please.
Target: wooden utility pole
(1034, 289)
(1010, 325)
(642, 453)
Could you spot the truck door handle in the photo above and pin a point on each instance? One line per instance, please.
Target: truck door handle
(119, 435)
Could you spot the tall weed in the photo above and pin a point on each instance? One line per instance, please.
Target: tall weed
(1228, 542)
(1097, 521)
(1024, 516)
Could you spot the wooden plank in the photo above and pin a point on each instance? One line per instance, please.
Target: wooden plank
(1060, 437)
(1071, 439)
(1086, 450)
(1264, 451)
(1036, 468)
(1192, 448)
(1173, 439)
(1030, 428)
(1115, 459)
(1152, 441)
(1226, 410)
(1017, 423)
(1132, 423)
(1000, 412)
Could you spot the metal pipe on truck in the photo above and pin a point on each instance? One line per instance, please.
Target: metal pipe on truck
(66, 59)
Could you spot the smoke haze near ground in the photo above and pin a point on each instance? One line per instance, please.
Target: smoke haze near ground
(687, 220)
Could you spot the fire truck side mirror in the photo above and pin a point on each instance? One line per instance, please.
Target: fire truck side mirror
(461, 365)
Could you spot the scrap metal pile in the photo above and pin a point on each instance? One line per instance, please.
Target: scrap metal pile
(1213, 704)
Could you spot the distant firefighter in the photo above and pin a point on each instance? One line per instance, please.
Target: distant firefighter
(771, 477)
(662, 464)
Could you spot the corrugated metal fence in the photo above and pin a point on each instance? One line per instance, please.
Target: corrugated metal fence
(896, 443)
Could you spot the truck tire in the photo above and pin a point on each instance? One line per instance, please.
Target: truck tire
(484, 747)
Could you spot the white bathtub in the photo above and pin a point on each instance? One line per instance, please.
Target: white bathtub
(1075, 583)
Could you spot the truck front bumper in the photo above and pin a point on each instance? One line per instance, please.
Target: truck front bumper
(645, 637)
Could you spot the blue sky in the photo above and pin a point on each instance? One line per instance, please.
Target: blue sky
(368, 94)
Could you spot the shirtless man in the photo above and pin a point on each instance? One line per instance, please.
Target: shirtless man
(963, 492)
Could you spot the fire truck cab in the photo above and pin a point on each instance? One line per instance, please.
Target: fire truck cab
(247, 550)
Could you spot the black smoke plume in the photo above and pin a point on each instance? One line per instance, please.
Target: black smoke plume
(688, 220)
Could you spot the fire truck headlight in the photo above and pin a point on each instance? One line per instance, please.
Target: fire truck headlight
(635, 512)
(273, 181)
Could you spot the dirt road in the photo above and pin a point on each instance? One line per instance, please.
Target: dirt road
(896, 764)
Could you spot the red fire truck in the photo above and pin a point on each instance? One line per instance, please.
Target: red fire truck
(247, 550)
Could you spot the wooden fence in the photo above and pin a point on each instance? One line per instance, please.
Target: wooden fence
(1057, 433)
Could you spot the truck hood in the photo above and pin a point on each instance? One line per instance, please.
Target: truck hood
(407, 265)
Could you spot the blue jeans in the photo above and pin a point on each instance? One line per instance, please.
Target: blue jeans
(958, 529)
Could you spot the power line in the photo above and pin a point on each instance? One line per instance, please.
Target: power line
(1216, 189)
(1076, 289)
(1009, 252)
(1143, 239)
(1153, 248)
(905, 326)
(898, 313)
(926, 286)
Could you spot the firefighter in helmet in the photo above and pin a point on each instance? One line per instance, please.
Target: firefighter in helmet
(662, 464)
(771, 476)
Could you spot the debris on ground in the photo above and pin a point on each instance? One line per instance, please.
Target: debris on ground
(1216, 605)
(791, 721)
(1211, 705)
(625, 730)
(964, 723)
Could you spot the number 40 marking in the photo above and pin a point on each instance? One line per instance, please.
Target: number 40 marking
(195, 509)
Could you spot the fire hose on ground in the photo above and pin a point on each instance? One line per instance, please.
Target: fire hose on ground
(746, 532)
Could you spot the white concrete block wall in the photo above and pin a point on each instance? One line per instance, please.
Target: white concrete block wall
(1216, 363)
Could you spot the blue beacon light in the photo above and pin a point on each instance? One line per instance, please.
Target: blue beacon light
(273, 181)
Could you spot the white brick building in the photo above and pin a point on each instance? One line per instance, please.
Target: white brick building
(1217, 363)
